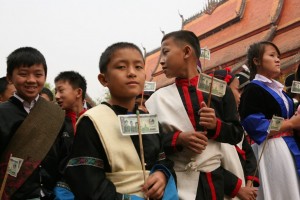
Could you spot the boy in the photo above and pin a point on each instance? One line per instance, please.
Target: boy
(104, 164)
(183, 113)
(70, 90)
(47, 94)
(6, 89)
(30, 131)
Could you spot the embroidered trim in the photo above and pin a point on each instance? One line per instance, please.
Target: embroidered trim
(161, 156)
(63, 185)
(86, 161)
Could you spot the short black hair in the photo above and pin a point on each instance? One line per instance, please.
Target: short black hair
(257, 50)
(48, 92)
(109, 51)
(185, 36)
(3, 85)
(75, 80)
(26, 57)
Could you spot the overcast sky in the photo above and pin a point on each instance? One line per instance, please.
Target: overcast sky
(72, 34)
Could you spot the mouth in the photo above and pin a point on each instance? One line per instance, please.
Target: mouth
(31, 88)
(132, 83)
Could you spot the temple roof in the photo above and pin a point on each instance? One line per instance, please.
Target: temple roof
(233, 26)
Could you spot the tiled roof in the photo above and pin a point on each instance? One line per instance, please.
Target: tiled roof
(234, 25)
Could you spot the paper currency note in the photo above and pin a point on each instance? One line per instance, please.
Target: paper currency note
(14, 166)
(129, 124)
(150, 86)
(218, 86)
(276, 123)
(295, 87)
(205, 53)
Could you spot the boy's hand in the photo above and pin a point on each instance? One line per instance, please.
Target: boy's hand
(155, 185)
(247, 193)
(208, 117)
(195, 141)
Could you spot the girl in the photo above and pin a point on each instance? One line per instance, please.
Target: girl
(262, 99)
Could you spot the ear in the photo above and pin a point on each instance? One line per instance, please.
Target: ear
(8, 78)
(102, 79)
(256, 61)
(187, 51)
(79, 93)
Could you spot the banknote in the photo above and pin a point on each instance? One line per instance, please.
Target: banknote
(150, 86)
(129, 124)
(205, 53)
(14, 166)
(295, 87)
(218, 86)
(276, 123)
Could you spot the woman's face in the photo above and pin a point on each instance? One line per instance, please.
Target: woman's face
(269, 66)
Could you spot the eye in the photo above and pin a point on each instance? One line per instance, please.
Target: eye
(139, 67)
(38, 74)
(23, 74)
(120, 67)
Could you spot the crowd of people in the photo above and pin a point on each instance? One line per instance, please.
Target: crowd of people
(54, 146)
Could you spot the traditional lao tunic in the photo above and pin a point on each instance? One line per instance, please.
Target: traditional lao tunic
(177, 108)
(262, 99)
(106, 165)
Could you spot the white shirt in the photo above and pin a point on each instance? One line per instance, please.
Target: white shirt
(27, 105)
(275, 86)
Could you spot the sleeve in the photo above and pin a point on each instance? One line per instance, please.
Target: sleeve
(250, 164)
(251, 111)
(164, 160)
(232, 183)
(169, 142)
(229, 129)
(85, 172)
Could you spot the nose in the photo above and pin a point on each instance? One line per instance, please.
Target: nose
(131, 71)
(57, 96)
(162, 61)
(30, 78)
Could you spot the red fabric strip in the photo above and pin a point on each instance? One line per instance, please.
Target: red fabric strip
(254, 178)
(218, 129)
(174, 139)
(237, 188)
(211, 186)
(189, 106)
(240, 152)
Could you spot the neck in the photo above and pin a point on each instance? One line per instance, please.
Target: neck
(77, 109)
(190, 72)
(129, 104)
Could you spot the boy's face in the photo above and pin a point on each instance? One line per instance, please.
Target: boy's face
(10, 90)
(172, 58)
(125, 75)
(28, 81)
(66, 96)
